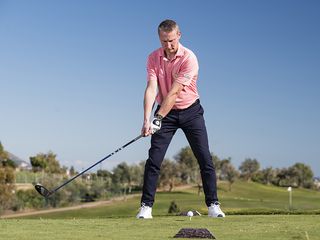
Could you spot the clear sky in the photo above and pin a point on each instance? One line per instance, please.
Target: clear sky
(72, 77)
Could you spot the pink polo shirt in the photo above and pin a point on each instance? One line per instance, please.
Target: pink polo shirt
(183, 68)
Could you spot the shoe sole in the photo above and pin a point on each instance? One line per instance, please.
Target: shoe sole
(144, 218)
(219, 216)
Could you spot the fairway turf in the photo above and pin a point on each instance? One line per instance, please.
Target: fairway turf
(230, 228)
(245, 198)
(116, 220)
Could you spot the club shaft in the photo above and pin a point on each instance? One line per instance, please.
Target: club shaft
(79, 174)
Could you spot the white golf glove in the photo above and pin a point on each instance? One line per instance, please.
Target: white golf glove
(156, 123)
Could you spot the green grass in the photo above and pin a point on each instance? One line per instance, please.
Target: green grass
(245, 198)
(117, 220)
(275, 227)
(254, 197)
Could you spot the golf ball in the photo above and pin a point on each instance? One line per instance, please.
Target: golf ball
(190, 214)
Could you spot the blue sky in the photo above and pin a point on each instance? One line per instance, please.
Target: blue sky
(72, 77)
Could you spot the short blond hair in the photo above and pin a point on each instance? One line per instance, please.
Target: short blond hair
(168, 26)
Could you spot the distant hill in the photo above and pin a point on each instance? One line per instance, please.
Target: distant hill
(20, 163)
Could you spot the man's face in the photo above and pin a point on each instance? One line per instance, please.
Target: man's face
(170, 41)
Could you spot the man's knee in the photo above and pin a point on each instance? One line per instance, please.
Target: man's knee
(152, 165)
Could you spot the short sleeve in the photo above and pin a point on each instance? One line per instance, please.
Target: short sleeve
(188, 70)
(151, 68)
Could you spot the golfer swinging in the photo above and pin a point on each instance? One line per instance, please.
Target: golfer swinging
(172, 73)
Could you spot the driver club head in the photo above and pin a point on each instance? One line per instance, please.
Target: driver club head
(42, 190)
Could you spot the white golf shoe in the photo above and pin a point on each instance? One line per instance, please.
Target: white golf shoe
(215, 211)
(145, 212)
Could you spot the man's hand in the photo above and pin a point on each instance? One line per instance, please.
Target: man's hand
(156, 124)
(152, 127)
(145, 131)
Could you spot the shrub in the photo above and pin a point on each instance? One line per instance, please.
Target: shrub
(173, 208)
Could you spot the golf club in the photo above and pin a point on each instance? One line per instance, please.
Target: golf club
(46, 193)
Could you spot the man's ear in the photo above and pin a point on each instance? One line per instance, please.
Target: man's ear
(179, 34)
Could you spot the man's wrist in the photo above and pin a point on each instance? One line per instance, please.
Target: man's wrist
(159, 116)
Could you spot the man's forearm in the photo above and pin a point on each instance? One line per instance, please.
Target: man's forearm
(170, 100)
(167, 105)
(149, 98)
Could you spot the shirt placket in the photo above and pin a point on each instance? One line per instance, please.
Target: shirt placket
(167, 73)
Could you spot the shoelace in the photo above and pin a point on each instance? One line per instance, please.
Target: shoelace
(216, 204)
(143, 206)
(218, 207)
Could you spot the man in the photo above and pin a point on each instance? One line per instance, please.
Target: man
(172, 73)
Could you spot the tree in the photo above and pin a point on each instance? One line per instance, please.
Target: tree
(223, 168)
(105, 174)
(4, 158)
(136, 172)
(6, 187)
(302, 174)
(217, 164)
(188, 165)
(7, 179)
(282, 177)
(232, 175)
(228, 171)
(268, 174)
(46, 162)
(3, 153)
(248, 168)
(122, 176)
(168, 174)
(72, 171)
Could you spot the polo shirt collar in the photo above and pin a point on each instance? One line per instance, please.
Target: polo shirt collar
(178, 54)
(180, 51)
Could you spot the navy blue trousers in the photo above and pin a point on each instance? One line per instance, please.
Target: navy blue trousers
(192, 123)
